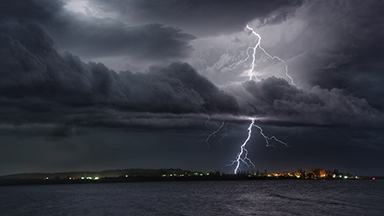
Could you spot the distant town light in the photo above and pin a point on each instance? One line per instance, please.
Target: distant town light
(345, 177)
(96, 178)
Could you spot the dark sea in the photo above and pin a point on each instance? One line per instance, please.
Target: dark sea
(261, 197)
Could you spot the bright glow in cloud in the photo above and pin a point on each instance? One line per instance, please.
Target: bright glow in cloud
(76, 6)
(267, 54)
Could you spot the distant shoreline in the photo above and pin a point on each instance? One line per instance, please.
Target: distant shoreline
(20, 182)
(166, 175)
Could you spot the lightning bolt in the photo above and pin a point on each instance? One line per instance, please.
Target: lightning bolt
(213, 134)
(206, 122)
(242, 156)
(225, 134)
(266, 53)
(269, 138)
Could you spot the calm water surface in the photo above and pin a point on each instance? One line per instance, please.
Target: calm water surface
(197, 198)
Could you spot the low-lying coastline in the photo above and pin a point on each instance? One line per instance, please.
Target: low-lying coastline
(162, 175)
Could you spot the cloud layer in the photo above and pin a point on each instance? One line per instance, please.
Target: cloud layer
(96, 37)
(317, 50)
(280, 101)
(61, 110)
(201, 17)
(40, 86)
(37, 79)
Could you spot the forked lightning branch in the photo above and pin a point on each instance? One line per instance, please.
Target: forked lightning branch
(242, 156)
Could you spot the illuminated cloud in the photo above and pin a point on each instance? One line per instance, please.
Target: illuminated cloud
(95, 37)
(41, 83)
(277, 99)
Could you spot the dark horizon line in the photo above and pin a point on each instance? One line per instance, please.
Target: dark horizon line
(174, 170)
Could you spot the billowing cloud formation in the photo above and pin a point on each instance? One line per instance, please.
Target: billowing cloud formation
(202, 17)
(37, 79)
(100, 37)
(148, 42)
(319, 51)
(276, 98)
(40, 86)
(60, 112)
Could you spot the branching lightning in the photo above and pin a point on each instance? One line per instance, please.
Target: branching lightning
(267, 54)
(206, 122)
(225, 134)
(213, 134)
(269, 138)
(242, 156)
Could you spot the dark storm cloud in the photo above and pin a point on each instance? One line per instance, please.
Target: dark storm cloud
(203, 17)
(342, 47)
(40, 86)
(60, 113)
(43, 86)
(31, 9)
(100, 37)
(276, 98)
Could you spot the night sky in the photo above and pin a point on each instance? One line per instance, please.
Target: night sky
(110, 84)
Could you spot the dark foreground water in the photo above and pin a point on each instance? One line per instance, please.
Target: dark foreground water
(197, 198)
